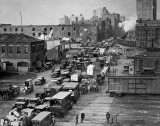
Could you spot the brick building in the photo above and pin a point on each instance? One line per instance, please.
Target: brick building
(56, 31)
(22, 52)
(148, 33)
(31, 30)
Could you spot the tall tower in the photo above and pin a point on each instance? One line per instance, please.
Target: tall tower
(146, 9)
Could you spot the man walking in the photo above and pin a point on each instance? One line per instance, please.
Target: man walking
(108, 116)
(82, 117)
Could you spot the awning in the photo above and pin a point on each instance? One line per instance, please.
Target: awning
(148, 68)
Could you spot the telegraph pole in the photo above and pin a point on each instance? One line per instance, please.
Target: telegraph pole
(21, 21)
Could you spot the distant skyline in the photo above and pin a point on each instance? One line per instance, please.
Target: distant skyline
(45, 12)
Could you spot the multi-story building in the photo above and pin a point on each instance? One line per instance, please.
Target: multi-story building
(65, 31)
(104, 12)
(64, 21)
(31, 30)
(115, 18)
(56, 31)
(80, 18)
(97, 13)
(148, 33)
(73, 18)
(146, 9)
(24, 52)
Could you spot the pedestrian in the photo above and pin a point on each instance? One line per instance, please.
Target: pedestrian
(24, 90)
(76, 119)
(82, 117)
(108, 116)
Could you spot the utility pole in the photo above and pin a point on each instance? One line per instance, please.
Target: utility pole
(21, 21)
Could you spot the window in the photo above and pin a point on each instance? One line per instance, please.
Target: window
(3, 49)
(45, 29)
(10, 48)
(18, 49)
(39, 34)
(69, 34)
(33, 34)
(16, 29)
(33, 48)
(5, 29)
(26, 49)
(33, 29)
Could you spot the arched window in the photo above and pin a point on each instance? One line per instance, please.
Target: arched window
(16, 29)
(33, 29)
(5, 29)
(33, 34)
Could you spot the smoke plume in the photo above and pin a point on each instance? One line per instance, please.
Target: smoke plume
(47, 37)
(129, 24)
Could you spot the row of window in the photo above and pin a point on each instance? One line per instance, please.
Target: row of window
(35, 49)
(15, 29)
(11, 49)
(144, 29)
(69, 28)
(144, 34)
(33, 29)
(44, 29)
(143, 39)
(21, 29)
(34, 34)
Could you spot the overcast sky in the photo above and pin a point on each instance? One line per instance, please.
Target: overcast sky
(44, 12)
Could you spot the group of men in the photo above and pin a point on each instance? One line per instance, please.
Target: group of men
(82, 118)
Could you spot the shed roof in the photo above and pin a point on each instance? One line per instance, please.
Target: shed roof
(69, 85)
(17, 38)
(61, 95)
(41, 116)
(27, 110)
(41, 106)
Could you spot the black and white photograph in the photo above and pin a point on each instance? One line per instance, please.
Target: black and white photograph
(79, 62)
